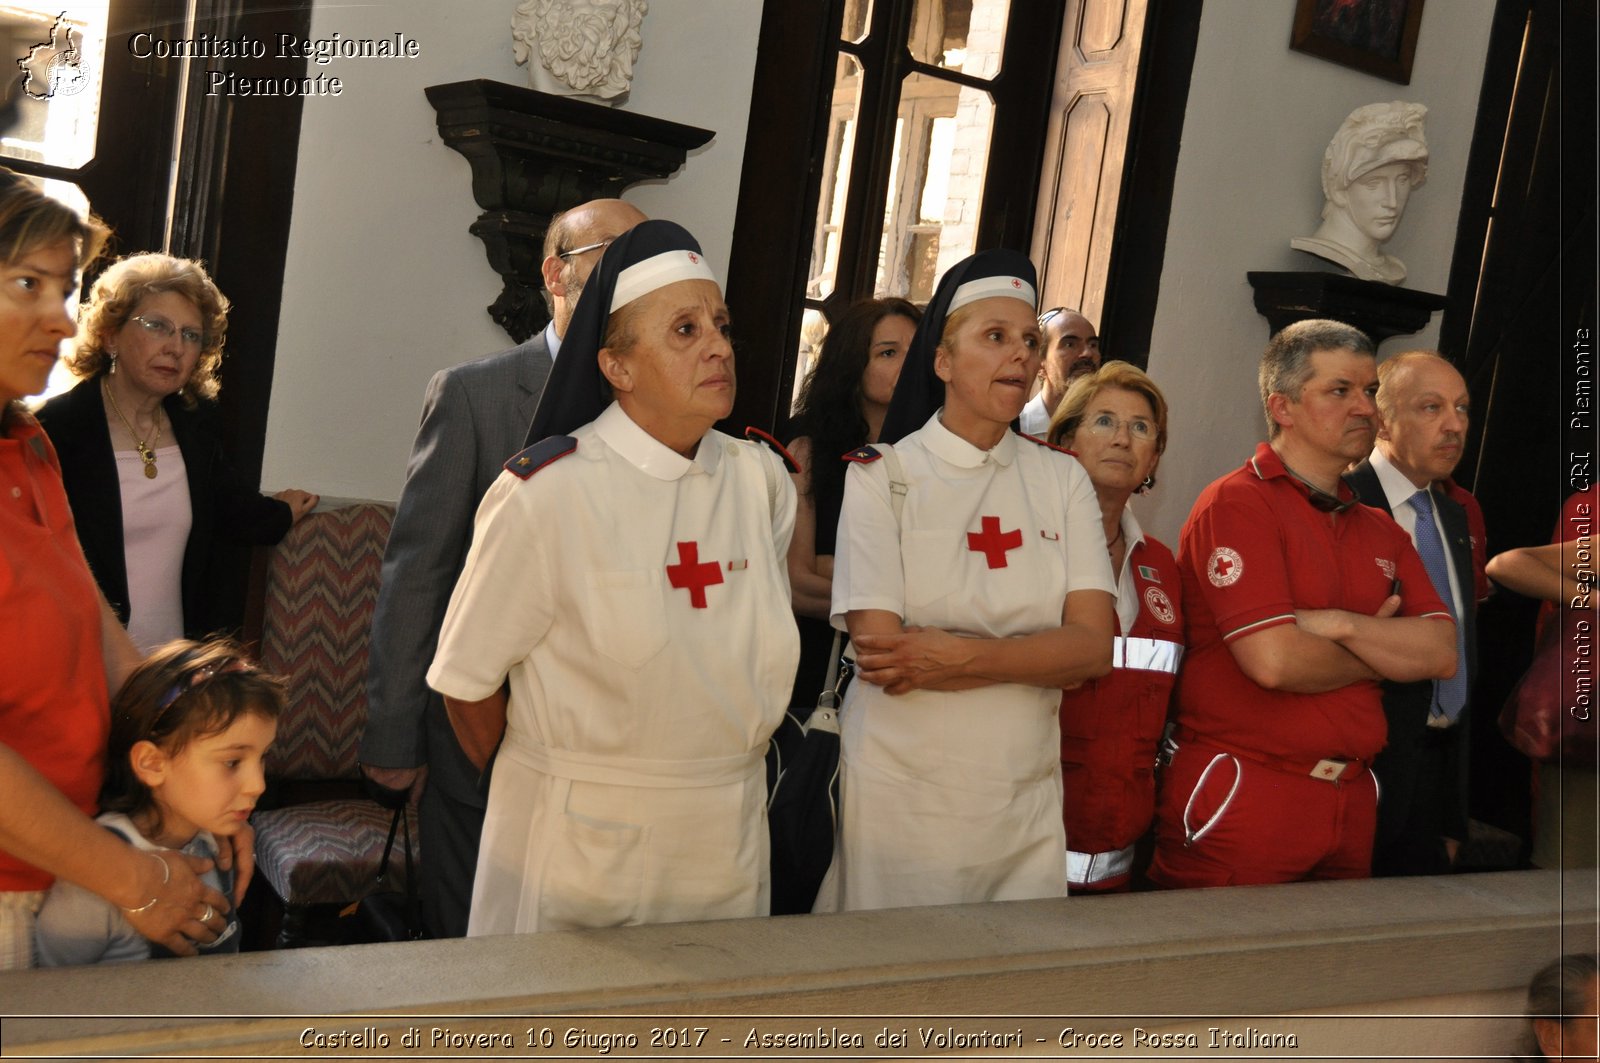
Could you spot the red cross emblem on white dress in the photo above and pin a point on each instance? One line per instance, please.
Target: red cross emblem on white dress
(691, 574)
(992, 543)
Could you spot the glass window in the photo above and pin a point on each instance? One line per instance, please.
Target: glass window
(964, 35)
(836, 178)
(54, 111)
(857, 15)
(930, 219)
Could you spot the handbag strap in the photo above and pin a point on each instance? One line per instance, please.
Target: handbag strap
(898, 487)
(394, 825)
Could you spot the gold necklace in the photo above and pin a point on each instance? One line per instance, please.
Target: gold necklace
(147, 454)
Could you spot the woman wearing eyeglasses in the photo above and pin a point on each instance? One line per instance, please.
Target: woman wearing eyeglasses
(1115, 420)
(140, 454)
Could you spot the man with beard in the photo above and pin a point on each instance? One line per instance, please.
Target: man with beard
(1071, 350)
(475, 416)
(1423, 410)
(1299, 601)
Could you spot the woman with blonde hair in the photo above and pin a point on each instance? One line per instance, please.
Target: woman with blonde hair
(141, 453)
(1115, 421)
(972, 577)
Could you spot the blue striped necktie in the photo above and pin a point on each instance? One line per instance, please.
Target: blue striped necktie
(1449, 695)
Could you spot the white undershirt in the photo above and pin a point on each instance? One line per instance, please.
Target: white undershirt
(155, 530)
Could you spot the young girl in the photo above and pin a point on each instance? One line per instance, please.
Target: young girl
(184, 764)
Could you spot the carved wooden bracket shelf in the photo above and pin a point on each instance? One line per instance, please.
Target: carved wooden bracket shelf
(534, 155)
(1380, 310)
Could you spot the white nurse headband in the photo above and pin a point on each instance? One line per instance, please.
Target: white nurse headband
(989, 288)
(658, 271)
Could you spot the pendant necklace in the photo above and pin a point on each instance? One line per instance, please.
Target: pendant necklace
(147, 453)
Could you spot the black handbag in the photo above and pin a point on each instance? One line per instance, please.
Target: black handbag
(803, 798)
(387, 914)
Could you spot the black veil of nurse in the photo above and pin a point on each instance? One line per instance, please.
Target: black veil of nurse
(629, 582)
(969, 612)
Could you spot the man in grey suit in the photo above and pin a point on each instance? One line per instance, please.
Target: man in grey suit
(474, 417)
(1423, 410)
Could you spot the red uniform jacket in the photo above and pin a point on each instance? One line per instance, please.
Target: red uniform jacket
(1110, 726)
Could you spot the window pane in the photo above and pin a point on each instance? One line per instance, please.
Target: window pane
(813, 330)
(857, 14)
(964, 35)
(936, 190)
(835, 178)
(63, 53)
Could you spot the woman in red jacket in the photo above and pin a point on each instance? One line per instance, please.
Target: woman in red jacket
(1115, 420)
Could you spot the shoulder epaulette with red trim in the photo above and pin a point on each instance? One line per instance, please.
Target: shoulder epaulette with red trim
(1046, 443)
(542, 453)
(756, 435)
(863, 455)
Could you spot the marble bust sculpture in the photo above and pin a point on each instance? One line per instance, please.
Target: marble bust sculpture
(579, 47)
(1375, 160)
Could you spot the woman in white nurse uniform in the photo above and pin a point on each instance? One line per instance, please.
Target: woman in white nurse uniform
(969, 610)
(627, 582)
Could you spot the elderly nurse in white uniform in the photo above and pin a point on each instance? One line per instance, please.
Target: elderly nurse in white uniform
(628, 580)
(969, 611)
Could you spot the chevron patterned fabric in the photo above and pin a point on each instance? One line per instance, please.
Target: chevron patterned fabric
(322, 587)
(327, 852)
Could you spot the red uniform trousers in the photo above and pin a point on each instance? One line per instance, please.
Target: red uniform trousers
(1231, 818)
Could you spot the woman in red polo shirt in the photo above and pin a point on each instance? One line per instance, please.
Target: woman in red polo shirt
(63, 647)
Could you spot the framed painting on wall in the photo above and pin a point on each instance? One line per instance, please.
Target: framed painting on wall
(1375, 36)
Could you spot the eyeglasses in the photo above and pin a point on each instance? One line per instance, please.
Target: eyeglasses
(160, 326)
(1103, 424)
(1044, 318)
(197, 679)
(586, 248)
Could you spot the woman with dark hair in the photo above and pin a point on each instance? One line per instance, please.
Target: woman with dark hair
(842, 405)
(141, 454)
(973, 580)
(620, 640)
(64, 650)
(1562, 1002)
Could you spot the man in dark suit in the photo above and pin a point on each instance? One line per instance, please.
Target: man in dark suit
(474, 417)
(1423, 409)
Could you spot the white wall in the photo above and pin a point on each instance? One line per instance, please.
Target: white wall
(1259, 117)
(384, 285)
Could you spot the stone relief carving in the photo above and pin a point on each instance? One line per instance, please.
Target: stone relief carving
(1374, 162)
(579, 47)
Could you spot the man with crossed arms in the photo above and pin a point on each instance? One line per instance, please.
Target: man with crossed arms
(1299, 600)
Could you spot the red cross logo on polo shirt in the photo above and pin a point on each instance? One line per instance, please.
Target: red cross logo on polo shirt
(692, 574)
(992, 543)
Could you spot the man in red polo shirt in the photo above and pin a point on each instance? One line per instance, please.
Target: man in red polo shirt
(1299, 600)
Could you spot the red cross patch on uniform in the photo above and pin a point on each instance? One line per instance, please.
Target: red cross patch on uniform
(693, 575)
(1160, 606)
(1224, 567)
(992, 543)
